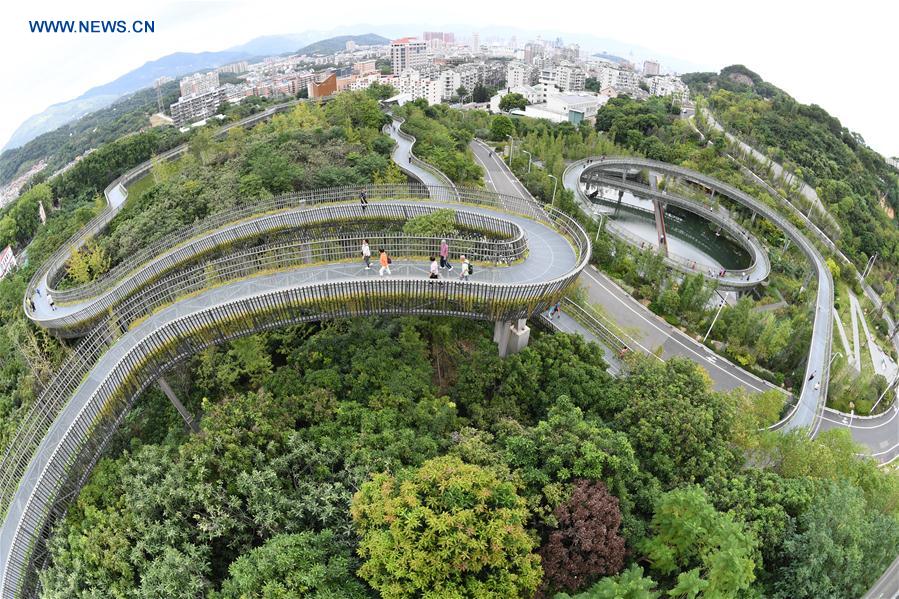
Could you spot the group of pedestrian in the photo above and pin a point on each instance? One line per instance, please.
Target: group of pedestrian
(385, 261)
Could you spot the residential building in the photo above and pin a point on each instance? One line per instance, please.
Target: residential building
(532, 50)
(324, 84)
(196, 107)
(530, 93)
(449, 82)
(894, 162)
(234, 67)
(408, 53)
(518, 74)
(570, 78)
(7, 261)
(415, 85)
(446, 38)
(475, 43)
(668, 85)
(650, 68)
(199, 83)
(364, 67)
(351, 46)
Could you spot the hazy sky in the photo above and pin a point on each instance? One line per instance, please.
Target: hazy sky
(842, 58)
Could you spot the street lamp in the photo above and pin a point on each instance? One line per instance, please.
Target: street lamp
(529, 159)
(714, 320)
(602, 218)
(511, 148)
(833, 357)
(555, 184)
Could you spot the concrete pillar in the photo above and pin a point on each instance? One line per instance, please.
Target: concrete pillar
(511, 338)
(189, 420)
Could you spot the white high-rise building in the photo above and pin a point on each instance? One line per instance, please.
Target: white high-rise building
(518, 74)
(199, 84)
(408, 53)
(475, 43)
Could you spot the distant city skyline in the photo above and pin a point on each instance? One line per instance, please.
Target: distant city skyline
(789, 46)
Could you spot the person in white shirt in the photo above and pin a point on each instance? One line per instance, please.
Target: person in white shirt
(466, 266)
(366, 254)
(435, 269)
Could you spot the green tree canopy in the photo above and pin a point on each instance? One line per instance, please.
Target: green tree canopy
(447, 529)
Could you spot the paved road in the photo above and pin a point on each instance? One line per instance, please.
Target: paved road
(643, 330)
(811, 399)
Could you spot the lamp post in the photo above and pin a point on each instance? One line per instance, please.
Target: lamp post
(555, 184)
(511, 149)
(833, 357)
(714, 320)
(529, 159)
(602, 219)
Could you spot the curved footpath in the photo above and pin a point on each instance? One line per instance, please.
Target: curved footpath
(558, 249)
(746, 278)
(641, 330)
(807, 411)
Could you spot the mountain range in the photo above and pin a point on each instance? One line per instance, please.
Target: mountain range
(175, 65)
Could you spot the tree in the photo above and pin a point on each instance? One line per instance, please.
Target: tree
(709, 551)
(440, 223)
(688, 448)
(511, 101)
(480, 94)
(888, 296)
(586, 545)
(294, 565)
(630, 584)
(501, 128)
(447, 529)
(838, 548)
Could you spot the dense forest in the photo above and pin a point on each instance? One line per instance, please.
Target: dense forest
(403, 458)
(855, 183)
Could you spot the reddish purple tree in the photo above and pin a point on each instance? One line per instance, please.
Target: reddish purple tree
(586, 545)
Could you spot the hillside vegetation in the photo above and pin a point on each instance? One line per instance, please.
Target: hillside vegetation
(853, 181)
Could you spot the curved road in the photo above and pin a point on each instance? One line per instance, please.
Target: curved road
(642, 330)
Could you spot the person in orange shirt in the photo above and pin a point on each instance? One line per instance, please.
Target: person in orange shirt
(385, 261)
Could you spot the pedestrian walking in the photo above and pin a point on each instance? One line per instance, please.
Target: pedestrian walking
(811, 376)
(363, 199)
(385, 261)
(31, 305)
(435, 269)
(50, 301)
(444, 255)
(366, 253)
(557, 309)
(466, 268)
(37, 291)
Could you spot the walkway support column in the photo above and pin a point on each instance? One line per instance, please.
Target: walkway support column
(189, 420)
(661, 231)
(511, 337)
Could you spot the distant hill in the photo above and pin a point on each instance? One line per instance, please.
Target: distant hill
(335, 44)
(96, 98)
(270, 45)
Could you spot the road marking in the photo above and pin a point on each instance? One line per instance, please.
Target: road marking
(668, 334)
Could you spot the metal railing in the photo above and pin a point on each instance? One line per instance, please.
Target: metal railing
(822, 330)
(75, 432)
(98, 223)
(192, 243)
(734, 277)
